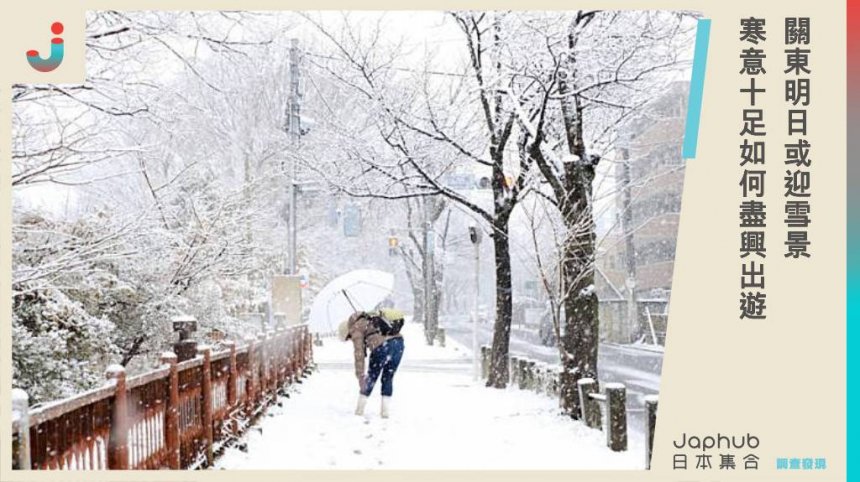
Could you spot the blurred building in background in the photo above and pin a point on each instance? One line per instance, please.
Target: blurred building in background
(636, 258)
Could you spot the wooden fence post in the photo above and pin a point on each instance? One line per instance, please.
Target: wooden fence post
(232, 387)
(540, 378)
(294, 349)
(284, 358)
(485, 362)
(272, 355)
(301, 351)
(523, 373)
(251, 375)
(280, 348)
(283, 344)
(552, 381)
(303, 346)
(616, 416)
(440, 336)
(514, 363)
(309, 347)
(547, 380)
(305, 341)
(207, 403)
(232, 374)
(590, 408)
(21, 407)
(295, 355)
(650, 425)
(287, 347)
(263, 364)
(531, 375)
(118, 443)
(171, 411)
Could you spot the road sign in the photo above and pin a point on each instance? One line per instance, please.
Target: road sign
(351, 221)
(304, 278)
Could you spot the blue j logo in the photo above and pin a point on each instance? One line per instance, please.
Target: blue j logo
(56, 57)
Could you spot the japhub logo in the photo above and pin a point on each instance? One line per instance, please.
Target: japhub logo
(53, 61)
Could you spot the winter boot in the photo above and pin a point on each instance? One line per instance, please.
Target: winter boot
(362, 401)
(386, 403)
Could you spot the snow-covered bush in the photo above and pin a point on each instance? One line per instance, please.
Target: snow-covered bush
(60, 349)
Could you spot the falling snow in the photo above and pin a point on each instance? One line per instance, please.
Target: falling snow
(437, 409)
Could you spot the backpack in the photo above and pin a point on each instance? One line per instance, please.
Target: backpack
(387, 321)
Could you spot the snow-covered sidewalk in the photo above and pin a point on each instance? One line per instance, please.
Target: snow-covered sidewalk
(440, 419)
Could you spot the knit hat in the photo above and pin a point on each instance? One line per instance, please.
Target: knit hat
(392, 314)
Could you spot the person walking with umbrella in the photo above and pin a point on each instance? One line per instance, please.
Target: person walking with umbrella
(379, 333)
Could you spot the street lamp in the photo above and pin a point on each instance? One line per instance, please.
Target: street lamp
(294, 129)
(475, 235)
(296, 126)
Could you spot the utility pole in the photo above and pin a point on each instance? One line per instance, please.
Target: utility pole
(429, 274)
(629, 247)
(475, 236)
(293, 124)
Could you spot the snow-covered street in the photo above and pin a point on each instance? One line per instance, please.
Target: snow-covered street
(440, 419)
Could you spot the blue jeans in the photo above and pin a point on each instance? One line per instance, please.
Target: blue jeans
(384, 361)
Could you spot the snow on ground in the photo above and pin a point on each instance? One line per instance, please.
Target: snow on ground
(440, 419)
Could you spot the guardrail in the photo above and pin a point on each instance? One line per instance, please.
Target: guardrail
(607, 410)
(175, 417)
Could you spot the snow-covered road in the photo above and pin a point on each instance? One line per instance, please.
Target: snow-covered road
(440, 419)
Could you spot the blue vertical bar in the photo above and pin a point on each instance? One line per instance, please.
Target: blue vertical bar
(697, 85)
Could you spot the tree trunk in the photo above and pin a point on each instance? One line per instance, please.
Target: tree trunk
(431, 308)
(504, 306)
(439, 285)
(417, 302)
(415, 275)
(580, 338)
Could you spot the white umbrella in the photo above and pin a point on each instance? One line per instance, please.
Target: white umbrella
(361, 289)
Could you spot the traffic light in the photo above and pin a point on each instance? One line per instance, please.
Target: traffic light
(392, 245)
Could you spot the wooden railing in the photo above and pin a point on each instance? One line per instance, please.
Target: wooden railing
(174, 417)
